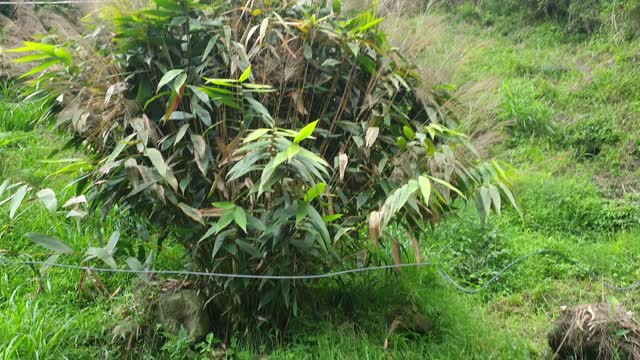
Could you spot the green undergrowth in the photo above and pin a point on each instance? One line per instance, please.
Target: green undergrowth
(562, 94)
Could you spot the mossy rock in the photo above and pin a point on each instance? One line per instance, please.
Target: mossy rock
(186, 309)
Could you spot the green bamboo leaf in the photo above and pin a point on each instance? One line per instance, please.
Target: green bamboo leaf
(191, 212)
(103, 254)
(256, 134)
(485, 196)
(447, 185)
(224, 205)
(369, 25)
(320, 226)
(113, 241)
(34, 46)
(260, 109)
(305, 132)
(211, 231)
(240, 218)
(168, 76)
(17, 200)
(408, 133)
(245, 75)
(156, 97)
(495, 197)
(292, 151)
(425, 188)
(248, 248)
(225, 220)
(201, 95)
(179, 82)
(135, 265)
(3, 187)
(180, 134)
(30, 58)
(510, 196)
(331, 218)
(50, 243)
(40, 68)
(217, 245)
(314, 192)
(48, 199)
(330, 63)
(158, 162)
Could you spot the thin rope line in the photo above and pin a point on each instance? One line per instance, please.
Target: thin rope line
(221, 275)
(441, 271)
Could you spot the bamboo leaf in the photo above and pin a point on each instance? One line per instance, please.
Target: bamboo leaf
(3, 187)
(224, 205)
(17, 200)
(113, 241)
(50, 243)
(486, 199)
(343, 161)
(292, 151)
(135, 265)
(245, 75)
(260, 109)
(314, 192)
(255, 135)
(75, 201)
(168, 76)
(305, 132)
(447, 185)
(371, 136)
(48, 199)
(157, 161)
(40, 68)
(103, 254)
(510, 196)
(191, 212)
(225, 220)
(240, 218)
(248, 248)
(425, 188)
(495, 198)
(179, 82)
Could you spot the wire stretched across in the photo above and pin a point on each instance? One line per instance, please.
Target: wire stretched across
(441, 271)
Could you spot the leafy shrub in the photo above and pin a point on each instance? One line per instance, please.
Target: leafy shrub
(569, 206)
(468, 12)
(588, 137)
(266, 140)
(475, 251)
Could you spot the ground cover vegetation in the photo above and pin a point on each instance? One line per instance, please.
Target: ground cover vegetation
(558, 105)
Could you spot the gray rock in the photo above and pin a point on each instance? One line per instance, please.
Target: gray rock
(183, 309)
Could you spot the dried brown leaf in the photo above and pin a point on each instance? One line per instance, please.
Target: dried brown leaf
(374, 227)
(396, 254)
(344, 160)
(371, 136)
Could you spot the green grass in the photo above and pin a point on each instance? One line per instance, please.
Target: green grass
(571, 107)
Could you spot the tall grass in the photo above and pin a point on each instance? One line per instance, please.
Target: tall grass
(23, 116)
